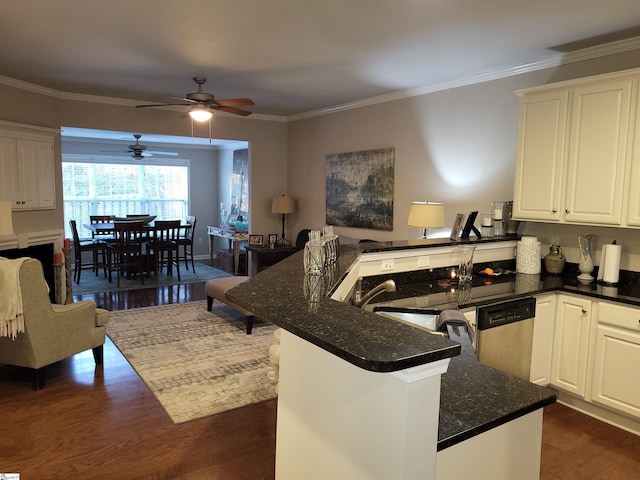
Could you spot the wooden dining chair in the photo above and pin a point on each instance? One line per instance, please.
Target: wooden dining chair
(165, 242)
(126, 253)
(186, 242)
(97, 248)
(98, 219)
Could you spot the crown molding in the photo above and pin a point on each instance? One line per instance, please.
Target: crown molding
(121, 102)
(553, 60)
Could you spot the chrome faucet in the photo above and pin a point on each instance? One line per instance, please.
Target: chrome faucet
(360, 300)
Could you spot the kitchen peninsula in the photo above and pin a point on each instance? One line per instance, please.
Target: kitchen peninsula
(363, 396)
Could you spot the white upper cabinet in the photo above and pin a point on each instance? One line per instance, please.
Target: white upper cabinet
(27, 173)
(633, 214)
(541, 153)
(575, 151)
(598, 152)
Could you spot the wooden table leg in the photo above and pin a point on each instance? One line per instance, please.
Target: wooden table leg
(211, 238)
(236, 255)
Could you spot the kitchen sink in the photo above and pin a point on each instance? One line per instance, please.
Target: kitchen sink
(425, 319)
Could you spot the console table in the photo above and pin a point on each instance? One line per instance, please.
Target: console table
(234, 238)
(267, 256)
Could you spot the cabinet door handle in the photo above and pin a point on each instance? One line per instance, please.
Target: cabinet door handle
(555, 210)
(566, 211)
(584, 312)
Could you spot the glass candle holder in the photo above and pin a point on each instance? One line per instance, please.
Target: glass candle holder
(486, 225)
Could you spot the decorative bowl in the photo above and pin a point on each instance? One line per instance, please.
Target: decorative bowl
(138, 218)
(242, 226)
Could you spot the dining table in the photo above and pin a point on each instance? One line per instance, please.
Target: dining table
(109, 227)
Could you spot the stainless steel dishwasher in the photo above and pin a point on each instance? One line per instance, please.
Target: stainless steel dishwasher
(504, 336)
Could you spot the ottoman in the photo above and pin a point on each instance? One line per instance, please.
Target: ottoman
(217, 287)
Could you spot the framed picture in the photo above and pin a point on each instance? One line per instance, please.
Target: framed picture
(256, 240)
(457, 225)
(468, 227)
(359, 189)
(273, 238)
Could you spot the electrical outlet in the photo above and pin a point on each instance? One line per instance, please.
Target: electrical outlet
(387, 265)
(423, 261)
(422, 302)
(200, 240)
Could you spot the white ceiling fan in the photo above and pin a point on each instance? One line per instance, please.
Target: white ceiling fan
(139, 151)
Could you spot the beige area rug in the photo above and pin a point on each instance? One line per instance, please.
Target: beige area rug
(196, 363)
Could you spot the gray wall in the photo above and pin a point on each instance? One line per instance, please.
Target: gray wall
(266, 139)
(455, 146)
(208, 178)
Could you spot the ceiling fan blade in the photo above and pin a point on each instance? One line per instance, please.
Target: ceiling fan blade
(235, 111)
(155, 152)
(234, 102)
(161, 105)
(190, 102)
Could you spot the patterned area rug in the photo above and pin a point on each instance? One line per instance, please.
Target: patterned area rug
(89, 283)
(196, 363)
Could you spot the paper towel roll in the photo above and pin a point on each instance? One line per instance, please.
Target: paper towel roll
(609, 270)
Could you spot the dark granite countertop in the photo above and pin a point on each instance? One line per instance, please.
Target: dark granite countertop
(474, 398)
(285, 296)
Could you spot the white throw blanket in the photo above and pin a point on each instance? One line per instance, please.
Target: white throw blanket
(11, 311)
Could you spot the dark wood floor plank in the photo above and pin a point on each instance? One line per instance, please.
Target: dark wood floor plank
(103, 422)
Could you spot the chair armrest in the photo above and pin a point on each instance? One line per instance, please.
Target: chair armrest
(82, 308)
(102, 317)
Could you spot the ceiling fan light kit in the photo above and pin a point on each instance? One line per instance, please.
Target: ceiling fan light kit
(200, 113)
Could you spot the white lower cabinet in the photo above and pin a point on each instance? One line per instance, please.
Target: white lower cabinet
(571, 344)
(542, 347)
(615, 377)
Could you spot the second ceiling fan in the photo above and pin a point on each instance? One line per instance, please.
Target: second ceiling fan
(202, 103)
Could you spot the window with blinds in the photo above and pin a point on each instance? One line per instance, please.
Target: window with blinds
(123, 188)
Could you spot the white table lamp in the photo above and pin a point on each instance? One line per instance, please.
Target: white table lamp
(426, 215)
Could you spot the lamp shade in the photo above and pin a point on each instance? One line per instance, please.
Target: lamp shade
(6, 223)
(426, 215)
(283, 204)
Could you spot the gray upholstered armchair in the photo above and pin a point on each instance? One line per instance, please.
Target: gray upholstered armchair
(52, 332)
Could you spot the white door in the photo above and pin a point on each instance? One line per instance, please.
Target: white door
(8, 170)
(597, 152)
(27, 175)
(570, 344)
(540, 156)
(542, 350)
(46, 175)
(615, 377)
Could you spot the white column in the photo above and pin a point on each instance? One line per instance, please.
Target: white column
(336, 420)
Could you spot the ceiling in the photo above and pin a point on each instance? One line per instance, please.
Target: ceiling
(292, 56)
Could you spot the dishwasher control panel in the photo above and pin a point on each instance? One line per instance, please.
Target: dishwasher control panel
(503, 313)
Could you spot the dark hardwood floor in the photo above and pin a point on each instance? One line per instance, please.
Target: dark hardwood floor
(103, 423)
